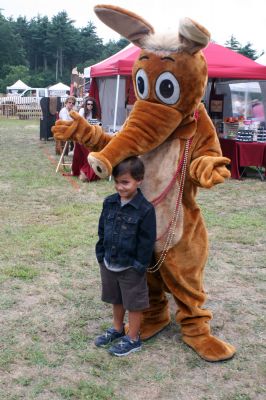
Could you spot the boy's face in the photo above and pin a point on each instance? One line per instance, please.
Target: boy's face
(126, 186)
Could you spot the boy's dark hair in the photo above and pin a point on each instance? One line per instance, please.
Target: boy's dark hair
(132, 165)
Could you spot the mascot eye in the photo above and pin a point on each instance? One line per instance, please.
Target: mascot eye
(142, 84)
(167, 88)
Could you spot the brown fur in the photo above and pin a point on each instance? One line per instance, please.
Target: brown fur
(158, 131)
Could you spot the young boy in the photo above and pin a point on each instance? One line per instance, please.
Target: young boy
(127, 233)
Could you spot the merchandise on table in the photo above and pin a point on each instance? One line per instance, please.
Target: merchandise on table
(261, 135)
(245, 135)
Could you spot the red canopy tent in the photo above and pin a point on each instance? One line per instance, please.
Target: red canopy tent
(223, 63)
(118, 64)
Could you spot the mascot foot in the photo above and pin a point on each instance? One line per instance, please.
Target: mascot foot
(150, 331)
(101, 168)
(209, 347)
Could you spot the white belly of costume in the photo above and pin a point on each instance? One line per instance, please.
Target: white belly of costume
(160, 166)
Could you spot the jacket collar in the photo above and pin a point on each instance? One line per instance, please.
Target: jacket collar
(135, 202)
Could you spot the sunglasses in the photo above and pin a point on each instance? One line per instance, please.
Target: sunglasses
(89, 104)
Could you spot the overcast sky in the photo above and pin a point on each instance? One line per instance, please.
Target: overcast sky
(245, 19)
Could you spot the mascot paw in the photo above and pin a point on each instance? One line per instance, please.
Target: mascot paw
(210, 348)
(100, 166)
(149, 333)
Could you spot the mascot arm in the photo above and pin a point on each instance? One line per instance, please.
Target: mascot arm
(208, 166)
(79, 130)
(207, 171)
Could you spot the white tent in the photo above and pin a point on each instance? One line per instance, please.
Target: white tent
(261, 60)
(60, 89)
(17, 87)
(59, 86)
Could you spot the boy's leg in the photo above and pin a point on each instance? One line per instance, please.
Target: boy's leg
(134, 320)
(118, 317)
(134, 293)
(131, 342)
(115, 332)
(111, 295)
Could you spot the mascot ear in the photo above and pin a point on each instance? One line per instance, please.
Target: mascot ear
(193, 36)
(126, 23)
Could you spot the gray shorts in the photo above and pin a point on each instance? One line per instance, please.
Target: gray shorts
(126, 287)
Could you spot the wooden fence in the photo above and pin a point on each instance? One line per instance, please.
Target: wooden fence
(24, 107)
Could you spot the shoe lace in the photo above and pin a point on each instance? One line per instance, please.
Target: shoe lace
(108, 333)
(123, 342)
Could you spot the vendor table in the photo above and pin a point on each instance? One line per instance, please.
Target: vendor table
(244, 154)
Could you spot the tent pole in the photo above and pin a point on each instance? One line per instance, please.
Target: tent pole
(116, 101)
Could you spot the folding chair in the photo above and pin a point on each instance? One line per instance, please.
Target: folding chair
(259, 170)
(62, 158)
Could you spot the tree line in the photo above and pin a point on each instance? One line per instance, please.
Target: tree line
(246, 50)
(42, 52)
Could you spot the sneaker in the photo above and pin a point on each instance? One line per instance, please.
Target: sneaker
(125, 346)
(108, 337)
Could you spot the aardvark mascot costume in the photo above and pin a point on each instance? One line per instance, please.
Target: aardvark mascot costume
(171, 131)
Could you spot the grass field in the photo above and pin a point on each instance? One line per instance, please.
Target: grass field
(50, 308)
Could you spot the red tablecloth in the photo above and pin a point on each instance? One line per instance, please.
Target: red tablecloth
(243, 154)
(80, 163)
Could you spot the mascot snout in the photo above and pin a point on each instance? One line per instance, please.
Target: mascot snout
(149, 125)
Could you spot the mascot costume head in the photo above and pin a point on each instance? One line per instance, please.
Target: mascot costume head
(172, 132)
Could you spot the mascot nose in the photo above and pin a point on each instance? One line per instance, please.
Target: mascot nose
(148, 125)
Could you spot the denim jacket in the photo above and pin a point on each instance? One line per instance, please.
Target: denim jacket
(126, 234)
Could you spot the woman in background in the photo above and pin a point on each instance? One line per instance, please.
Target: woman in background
(90, 110)
(80, 165)
(64, 114)
(69, 106)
